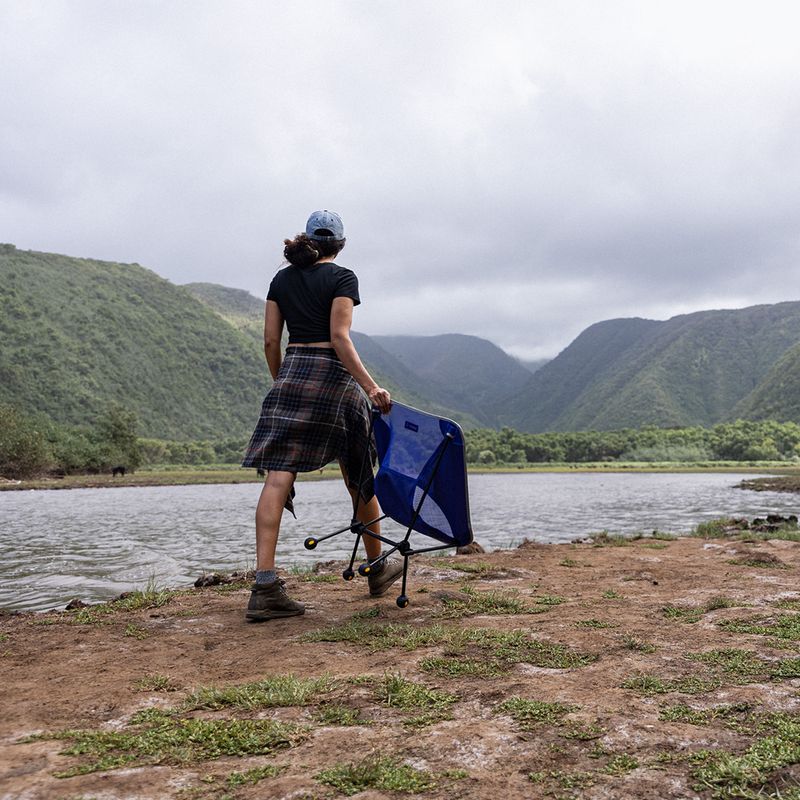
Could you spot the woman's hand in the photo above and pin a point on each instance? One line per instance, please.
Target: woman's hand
(381, 399)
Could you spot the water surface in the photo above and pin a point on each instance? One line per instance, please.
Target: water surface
(96, 543)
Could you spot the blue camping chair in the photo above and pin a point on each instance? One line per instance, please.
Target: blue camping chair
(421, 483)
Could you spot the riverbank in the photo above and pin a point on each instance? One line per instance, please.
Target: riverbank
(657, 667)
(232, 473)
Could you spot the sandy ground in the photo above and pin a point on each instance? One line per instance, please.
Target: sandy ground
(630, 621)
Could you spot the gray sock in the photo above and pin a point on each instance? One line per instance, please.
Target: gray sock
(266, 576)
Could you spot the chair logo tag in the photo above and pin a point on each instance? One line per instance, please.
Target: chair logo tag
(412, 426)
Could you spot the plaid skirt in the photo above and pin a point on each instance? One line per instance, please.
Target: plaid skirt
(315, 413)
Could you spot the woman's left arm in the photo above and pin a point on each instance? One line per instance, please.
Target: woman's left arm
(341, 319)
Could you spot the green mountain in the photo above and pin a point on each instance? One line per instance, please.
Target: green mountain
(778, 395)
(77, 334)
(459, 371)
(689, 370)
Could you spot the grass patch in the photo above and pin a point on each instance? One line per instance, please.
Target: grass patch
(785, 626)
(161, 738)
(595, 624)
(338, 714)
(742, 666)
(136, 631)
(691, 716)
(583, 732)
(155, 683)
(476, 569)
(560, 779)
(396, 691)
(568, 562)
(691, 614)
(272, 692)
(381, 774)
(721, 528)
(497, 651)
(379, 635)
(149, 597)
(475, 602)
(549, 600)
(610, 594)
(253, 776)
(760, 561)
(445, 667)
(649, 685)
(606, 539)
(788, 604)
(631, 642)
(620, 764)
(530, 713)
(761, 770)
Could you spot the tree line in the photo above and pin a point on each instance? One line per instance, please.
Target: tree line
(742, 440)
(33, 445)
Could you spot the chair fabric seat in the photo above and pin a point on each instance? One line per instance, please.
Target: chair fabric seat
(418, 451)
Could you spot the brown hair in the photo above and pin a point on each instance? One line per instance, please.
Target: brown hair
(303, 252)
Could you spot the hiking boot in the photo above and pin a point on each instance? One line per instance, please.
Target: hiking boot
(379, 582)
(270, 601)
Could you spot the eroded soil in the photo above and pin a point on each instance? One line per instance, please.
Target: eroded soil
(639, 686)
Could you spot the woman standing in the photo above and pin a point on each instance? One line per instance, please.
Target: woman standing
(315, 412)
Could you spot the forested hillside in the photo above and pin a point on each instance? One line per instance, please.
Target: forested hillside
(778, 395)
(693, 369)
(77, 335)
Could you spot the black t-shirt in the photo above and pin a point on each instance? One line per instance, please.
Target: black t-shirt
(305, 295)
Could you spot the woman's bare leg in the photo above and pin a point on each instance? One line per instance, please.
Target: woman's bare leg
(366, 512)
(269, 511)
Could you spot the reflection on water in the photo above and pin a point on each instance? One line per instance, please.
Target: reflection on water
(96, 543)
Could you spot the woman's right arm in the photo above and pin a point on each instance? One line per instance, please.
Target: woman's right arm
(273, 330)
(341, 320)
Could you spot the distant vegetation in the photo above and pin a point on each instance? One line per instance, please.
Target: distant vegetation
(33, 445)
(742, 440)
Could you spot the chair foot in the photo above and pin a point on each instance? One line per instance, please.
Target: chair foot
(348, 574)
(402, 601)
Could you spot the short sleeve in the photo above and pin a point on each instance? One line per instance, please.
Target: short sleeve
(347, 286)
(272, 294)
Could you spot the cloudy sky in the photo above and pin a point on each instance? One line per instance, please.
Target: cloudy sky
(513, 170)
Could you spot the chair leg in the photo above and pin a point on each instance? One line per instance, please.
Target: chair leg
(348, 573)
(402, 600)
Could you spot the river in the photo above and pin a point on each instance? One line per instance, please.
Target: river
(96, 543)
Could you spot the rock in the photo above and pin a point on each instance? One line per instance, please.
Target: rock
(469, 549)
(209, 579)
(75, 603)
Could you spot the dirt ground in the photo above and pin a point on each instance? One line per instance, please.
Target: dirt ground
(651, 669)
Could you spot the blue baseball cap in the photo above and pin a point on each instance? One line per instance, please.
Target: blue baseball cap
(324, 225)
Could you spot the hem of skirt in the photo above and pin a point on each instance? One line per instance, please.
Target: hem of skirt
(282, 467)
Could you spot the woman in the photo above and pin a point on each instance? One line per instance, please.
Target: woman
(315, 412)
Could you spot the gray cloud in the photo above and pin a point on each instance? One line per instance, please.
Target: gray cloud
(516, 171)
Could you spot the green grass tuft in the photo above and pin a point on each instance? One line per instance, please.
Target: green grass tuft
(156, 683)
(530, 713)
(166, 739)
(384, 774)
(272, 692)
(396, 691)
